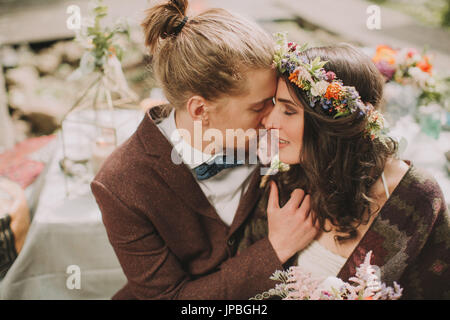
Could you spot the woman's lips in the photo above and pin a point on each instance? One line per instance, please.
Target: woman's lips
(282, 143)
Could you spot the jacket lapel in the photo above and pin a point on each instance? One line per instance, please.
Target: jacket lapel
(248, 201)
(177, 176)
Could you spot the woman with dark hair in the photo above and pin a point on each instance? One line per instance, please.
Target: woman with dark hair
(362, 196)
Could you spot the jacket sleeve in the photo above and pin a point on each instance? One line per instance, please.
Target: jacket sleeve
(429, 276)
(154, 272)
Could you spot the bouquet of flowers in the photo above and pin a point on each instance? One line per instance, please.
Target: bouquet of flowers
(406, 66)
(412, 87)
(299, 285)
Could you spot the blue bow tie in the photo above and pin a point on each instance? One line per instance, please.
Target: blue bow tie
(213, 167)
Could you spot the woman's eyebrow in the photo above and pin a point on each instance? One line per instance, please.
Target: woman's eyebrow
(285, 101)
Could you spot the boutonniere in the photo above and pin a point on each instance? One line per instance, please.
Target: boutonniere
(275, 166)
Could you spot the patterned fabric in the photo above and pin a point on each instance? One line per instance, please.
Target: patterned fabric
(26, 160)
(410, 238)
(7, 249)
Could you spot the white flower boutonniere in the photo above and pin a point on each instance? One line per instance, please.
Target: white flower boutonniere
(275, 166)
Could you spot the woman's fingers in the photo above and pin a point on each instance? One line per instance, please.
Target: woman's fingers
(296, 198)
(305, 207)
(317, 224)
(273, 202)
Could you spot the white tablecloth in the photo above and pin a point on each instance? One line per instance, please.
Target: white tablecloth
(65, 231)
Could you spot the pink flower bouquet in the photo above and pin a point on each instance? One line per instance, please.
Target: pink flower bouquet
(299, 285)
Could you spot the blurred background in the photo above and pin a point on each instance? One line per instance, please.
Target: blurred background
(75, 81)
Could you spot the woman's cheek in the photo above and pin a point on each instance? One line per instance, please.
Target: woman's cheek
(296, 136)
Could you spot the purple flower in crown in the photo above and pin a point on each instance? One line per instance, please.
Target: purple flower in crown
(291, 68)
(366, 108)
(359, 105)
(353, 94)
(330, 76)
(321, 75)
(285, 63)
(326, 104)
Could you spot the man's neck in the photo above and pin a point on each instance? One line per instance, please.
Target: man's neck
(183, 121)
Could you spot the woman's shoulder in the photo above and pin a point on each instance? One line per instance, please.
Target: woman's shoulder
(419, 191)
(421, 179)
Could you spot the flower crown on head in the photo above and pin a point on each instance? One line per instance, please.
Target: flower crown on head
(322, 87)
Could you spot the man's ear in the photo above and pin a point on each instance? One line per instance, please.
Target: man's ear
(196, 107)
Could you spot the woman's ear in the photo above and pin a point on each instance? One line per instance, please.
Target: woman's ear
(197, 109)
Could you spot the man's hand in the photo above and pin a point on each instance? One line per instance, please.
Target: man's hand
(291, 227)
(18, 210)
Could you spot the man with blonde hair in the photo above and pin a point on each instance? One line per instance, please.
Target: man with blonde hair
(174, 226)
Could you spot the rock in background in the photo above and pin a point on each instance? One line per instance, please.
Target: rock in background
(38, 94)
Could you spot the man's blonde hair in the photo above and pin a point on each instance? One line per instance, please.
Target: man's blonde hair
(209, 56)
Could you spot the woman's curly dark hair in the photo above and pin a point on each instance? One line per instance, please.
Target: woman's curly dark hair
(339, 163)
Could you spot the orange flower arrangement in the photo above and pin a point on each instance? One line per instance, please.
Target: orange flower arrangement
(385, 53)
(293, 77)
(333, 91)
(425, 65)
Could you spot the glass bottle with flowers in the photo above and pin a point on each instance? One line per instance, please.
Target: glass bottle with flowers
(89, 129)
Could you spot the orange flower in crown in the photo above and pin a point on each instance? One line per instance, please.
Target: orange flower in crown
(293, 77)
(334, 91)
(385, 53)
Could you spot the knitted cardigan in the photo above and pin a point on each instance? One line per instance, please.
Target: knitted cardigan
(410, 238)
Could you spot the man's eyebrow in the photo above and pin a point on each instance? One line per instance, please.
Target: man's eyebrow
(262, 101)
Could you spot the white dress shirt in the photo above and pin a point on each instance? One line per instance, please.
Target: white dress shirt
(225, 189)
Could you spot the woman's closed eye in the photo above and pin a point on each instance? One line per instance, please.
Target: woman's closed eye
(289, 111)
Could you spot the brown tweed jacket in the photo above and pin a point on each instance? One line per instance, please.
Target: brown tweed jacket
(168, 238)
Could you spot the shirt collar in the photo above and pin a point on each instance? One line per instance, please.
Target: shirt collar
(191, 156)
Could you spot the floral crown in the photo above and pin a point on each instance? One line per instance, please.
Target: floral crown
(322, 87)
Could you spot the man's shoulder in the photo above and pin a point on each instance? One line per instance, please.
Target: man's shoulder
(131, 161)
(125, 162)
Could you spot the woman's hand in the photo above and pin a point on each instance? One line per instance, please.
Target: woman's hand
(291, 227)
(18, 210)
